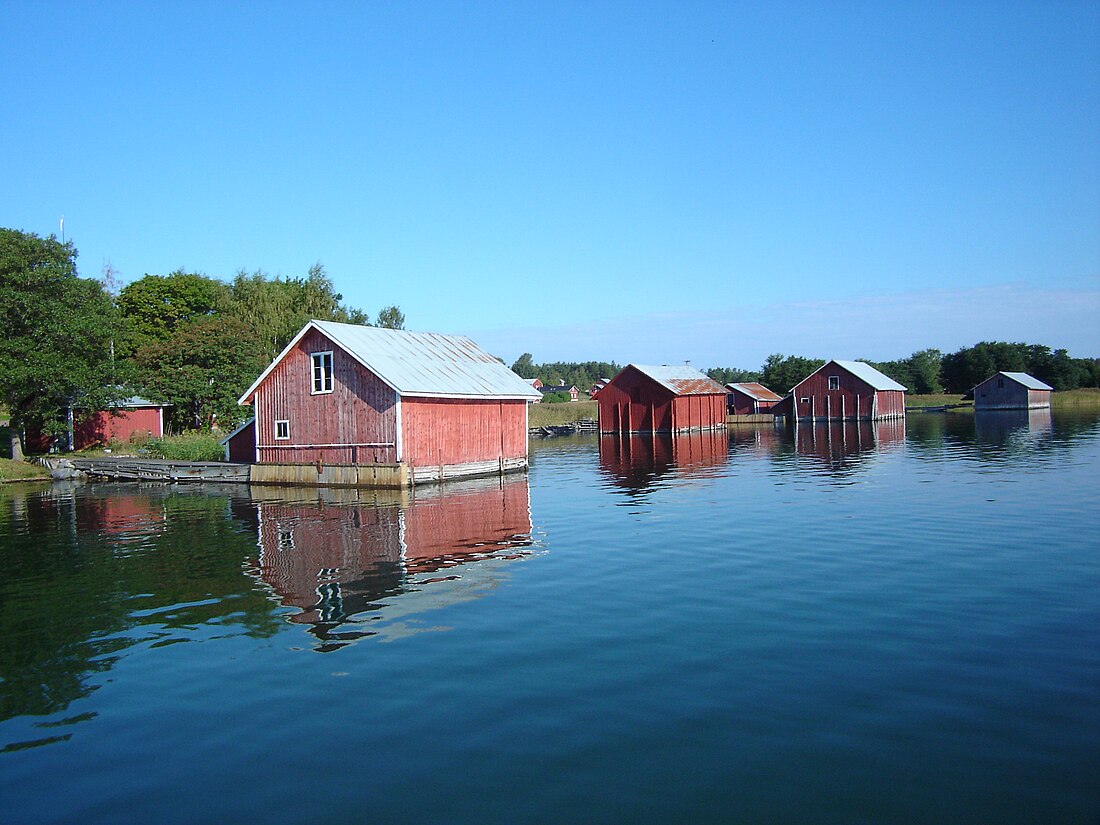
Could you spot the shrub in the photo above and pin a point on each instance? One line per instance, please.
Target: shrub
(186, 447)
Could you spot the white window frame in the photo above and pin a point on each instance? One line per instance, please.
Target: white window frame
(286, 423)
(834, 382)
(320, 380)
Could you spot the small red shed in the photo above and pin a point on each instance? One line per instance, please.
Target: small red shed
(661, 399)
(844, 390)
(134, 416)
(1011, 391)
(750, 398)
(434, 405)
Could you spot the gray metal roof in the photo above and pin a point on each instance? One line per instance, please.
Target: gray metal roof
(681, 380)
(420, 363)
(1025, 379)
(869, 374)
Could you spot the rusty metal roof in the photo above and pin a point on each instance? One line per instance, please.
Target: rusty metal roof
(682, 380)
(754, 390)
(420, 363)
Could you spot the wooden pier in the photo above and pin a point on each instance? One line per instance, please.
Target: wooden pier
(140, 469)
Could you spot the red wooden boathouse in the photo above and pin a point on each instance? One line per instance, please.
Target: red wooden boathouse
(1011, 391)
(844, 390)
(750, 398)
(433, 406)
(661, 399)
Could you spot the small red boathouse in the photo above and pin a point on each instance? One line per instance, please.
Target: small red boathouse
(661, 399)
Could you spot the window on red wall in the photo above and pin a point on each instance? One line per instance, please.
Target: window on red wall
(321, 367)
(834, 382)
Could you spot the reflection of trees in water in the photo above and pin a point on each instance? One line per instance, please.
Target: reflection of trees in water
(353, 563)
(994, 436)
(90, 571)
(637, 462)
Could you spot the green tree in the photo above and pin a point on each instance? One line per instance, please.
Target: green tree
(277, 308)
(57, 332)
(781, 372)
(524, 367)
(154, 306)
(732, 375)
(391, 317)
(202, 369)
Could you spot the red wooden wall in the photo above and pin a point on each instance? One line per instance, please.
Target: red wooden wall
(854, 399)
(242, 445)
(745, 404)
(102, 427)
(356, 423)
(437, 431)
(633, 402)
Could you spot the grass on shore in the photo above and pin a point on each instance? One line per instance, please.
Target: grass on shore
(1086, 397)
(554, 415)
(22, 471)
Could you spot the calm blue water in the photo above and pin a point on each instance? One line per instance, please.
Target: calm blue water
(847, 625)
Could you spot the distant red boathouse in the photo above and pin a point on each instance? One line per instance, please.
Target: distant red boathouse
(661, 399)
(750, 398)
(844, 391)
(349, 405)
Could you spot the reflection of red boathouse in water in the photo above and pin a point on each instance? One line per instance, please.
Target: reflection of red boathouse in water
(370, 557)
(635, 460)
(834, 442)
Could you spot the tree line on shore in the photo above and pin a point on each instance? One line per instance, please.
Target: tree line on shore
(927, 372)
(185, 339)
(197, 342)
(931, 372)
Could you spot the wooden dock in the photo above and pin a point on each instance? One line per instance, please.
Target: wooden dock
(142, 469)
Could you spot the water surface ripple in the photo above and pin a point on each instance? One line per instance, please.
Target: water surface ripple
(896, 623)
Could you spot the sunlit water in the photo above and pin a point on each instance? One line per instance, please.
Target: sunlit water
(845, 624)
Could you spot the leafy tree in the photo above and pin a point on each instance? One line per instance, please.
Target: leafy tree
(732, 375)
(202, 369)
(276, 308)
(555, 397)
(391, 317)
(57, 332)
(781, 372)
(524, 367)
(154, 306)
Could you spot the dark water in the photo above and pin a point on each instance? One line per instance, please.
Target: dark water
(848, 624)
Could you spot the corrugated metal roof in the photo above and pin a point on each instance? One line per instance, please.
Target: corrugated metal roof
(1025, 379)
(428, 363)
(419, 363)
(755, 390)
(869, 374)
(682, 380)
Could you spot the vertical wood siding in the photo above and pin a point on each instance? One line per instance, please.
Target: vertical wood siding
(634, 403)
(330, 427)
(443, 431)
(242, 446)
(103, 427)
(1011, 396)
(855, 399)
(744, 404)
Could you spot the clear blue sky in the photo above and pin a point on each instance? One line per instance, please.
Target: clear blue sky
(648, 182)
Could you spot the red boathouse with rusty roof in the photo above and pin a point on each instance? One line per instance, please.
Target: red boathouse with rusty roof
(661, 399)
